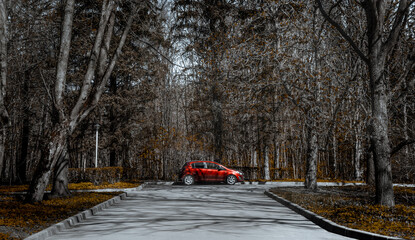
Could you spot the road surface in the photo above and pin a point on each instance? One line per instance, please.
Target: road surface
(200, 212)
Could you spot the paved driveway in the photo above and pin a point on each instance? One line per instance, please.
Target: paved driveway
(198, 212)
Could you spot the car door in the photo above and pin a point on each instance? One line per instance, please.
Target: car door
(199, 171)
(212, 171)
(221, 174)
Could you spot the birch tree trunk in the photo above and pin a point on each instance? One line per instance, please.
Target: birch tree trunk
(266, 164)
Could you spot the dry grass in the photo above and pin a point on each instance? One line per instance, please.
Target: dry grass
(353, 207)
(19, 220)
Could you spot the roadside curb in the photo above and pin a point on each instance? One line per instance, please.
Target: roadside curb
(159, 183)
(327, 224)
(297, 184)
(80, 217)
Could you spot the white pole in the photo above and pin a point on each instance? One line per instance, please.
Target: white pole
(96, 145)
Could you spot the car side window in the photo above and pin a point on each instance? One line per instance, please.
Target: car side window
(212, 166)
(198, 165)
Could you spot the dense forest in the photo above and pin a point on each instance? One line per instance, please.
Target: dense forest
(279, 89)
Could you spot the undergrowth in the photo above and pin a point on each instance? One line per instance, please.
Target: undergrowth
(353, 206)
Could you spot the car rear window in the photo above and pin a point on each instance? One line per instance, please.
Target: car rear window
(198, 165)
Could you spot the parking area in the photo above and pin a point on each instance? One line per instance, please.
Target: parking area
(199, 212)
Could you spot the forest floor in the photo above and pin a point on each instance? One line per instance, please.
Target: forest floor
(353, 207)
(18, 220)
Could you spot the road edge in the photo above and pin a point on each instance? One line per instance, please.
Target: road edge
(80, 217)
(327, 224)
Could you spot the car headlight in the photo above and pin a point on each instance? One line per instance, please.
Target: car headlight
(241, 173)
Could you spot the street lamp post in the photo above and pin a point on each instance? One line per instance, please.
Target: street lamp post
(96, 144)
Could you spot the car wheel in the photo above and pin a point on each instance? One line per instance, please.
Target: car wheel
(231, 179)
(188, 180)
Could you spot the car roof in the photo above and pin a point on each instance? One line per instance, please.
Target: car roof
(194, 161)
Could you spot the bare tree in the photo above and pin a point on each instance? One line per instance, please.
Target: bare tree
(66, 120)
(380, 45)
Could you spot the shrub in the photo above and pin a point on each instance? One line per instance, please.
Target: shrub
(99, 176)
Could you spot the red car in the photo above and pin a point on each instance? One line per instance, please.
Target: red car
(207, 171)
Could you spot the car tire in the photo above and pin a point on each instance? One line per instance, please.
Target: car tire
(231, 179)
(188, 180)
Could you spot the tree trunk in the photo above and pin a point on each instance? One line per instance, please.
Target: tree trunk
(276, 160)
(266, 164)
(113, 123)
(60, 179)
(2, 148)
(22, 160)
(254, 163)
(379, 135)
(55, 149)
(406, 154)
(312, 152)
(4, 115)
(335, 157)
(217, 123)
(370, 167)
(378, 130)
(358, 155)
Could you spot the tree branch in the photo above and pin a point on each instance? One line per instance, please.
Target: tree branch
(397, 25)
(65, 45)
(402, 144)
(46, 87)
(159, 53)
(342, 32)
(103, 81)
(107, 7)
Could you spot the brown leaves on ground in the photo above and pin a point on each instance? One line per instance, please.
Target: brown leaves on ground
(18, 219)
(353, 207)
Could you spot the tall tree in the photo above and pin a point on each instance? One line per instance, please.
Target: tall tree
(383, 30)
(4, 115)
(65, 120)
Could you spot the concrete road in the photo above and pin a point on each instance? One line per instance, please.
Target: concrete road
(198, 212)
